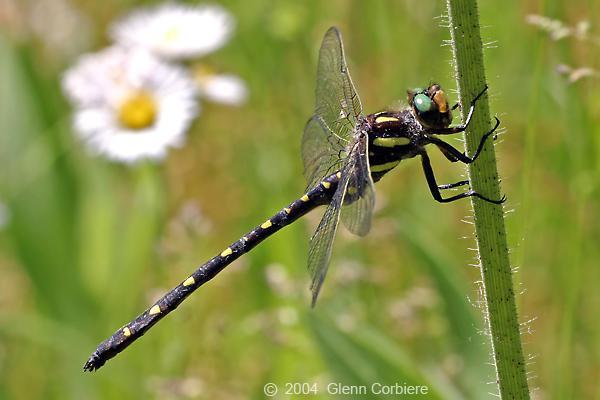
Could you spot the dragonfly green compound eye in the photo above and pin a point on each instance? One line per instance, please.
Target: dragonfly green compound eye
(422, 102)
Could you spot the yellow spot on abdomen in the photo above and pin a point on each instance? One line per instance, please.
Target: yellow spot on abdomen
(384, 167)
(339, 175)
(326, 185)
(154, 310)
(126, 332)
(226, 252)
(305, 198)
(287, 210)
(381, 120)
(391, 141)
(267, 224)
(189, 281)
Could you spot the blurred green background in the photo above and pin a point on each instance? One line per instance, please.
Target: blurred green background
(85, 244)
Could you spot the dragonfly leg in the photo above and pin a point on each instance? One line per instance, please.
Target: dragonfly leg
(453, 154)
(435, 189)
(452, 185)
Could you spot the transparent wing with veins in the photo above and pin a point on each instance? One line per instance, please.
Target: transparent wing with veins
(321, 243)
(359, 201)
(353, 200)
(328, 135)
(335, 140)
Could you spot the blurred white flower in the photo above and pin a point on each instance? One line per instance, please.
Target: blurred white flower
(220, 88)
(287, 316)
(175, 31)
(60, 26)
(129, 105)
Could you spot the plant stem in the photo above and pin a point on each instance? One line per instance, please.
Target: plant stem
(499, 298)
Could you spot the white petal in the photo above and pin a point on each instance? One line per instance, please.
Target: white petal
(227, 89)
(175, 31)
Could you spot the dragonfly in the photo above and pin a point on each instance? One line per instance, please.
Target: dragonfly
(344, 153)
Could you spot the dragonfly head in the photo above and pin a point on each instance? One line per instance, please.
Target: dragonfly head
(430, 106)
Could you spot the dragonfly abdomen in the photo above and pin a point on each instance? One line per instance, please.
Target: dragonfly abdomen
(319, 195)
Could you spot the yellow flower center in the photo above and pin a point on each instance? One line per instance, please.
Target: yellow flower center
(172, 34)
(203, 73)
(138, 111)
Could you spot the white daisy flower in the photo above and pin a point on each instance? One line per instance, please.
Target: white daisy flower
(175, 31)
(220, 88)
(129, 105)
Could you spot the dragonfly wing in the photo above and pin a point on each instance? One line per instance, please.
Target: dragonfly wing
(322, 151)
(321, 243)
(359, 200)
(337, 111)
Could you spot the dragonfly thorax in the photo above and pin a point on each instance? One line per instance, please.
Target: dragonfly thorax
(398, 135)
(393, 137)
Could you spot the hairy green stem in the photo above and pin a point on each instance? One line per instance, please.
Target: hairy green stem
(499, 297)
